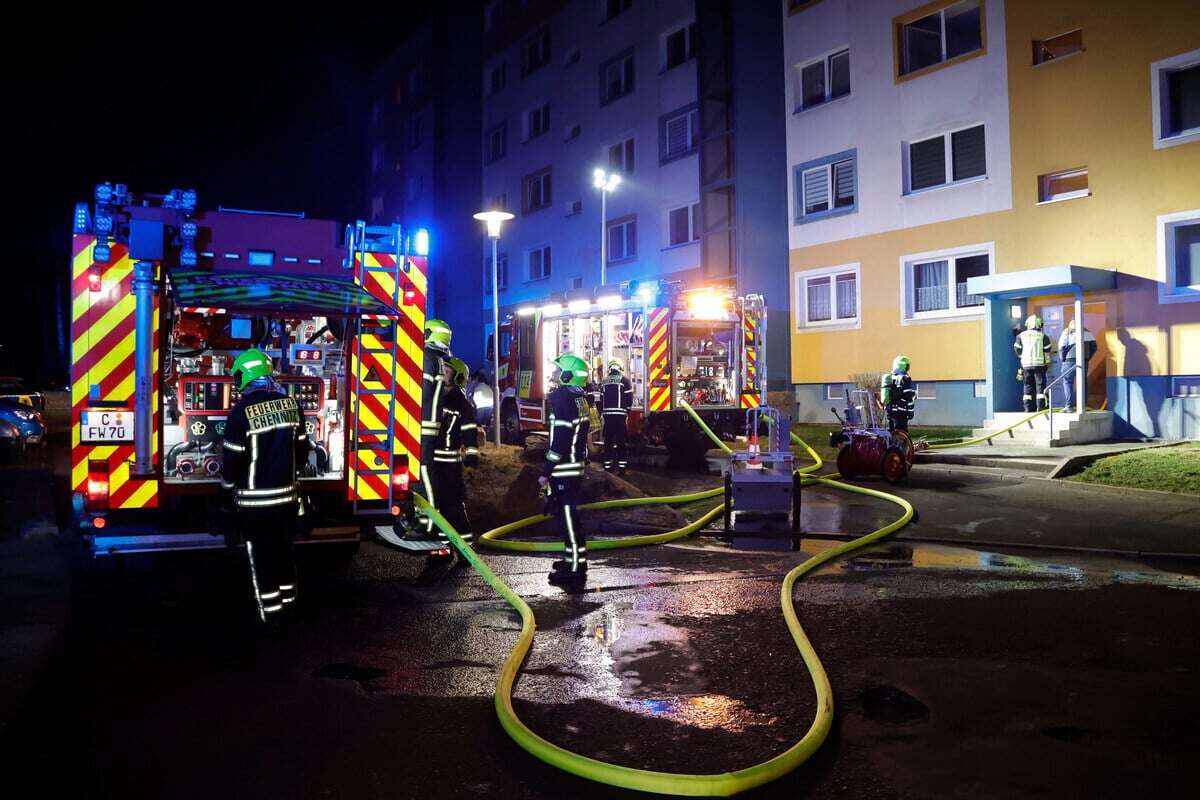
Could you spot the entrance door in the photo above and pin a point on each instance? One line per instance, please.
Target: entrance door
(1095, 318)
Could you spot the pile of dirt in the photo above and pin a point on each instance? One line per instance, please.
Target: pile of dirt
(505, 488)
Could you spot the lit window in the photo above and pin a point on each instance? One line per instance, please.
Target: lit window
(1056, 47)
(1063, 185)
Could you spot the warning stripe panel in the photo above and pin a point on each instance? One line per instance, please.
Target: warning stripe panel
(660, 359)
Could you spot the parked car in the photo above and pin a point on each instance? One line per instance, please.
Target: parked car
(21, 425)
(14, 389)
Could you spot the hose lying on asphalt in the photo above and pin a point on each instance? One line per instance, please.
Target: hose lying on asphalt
(718, 784)
(989, 437)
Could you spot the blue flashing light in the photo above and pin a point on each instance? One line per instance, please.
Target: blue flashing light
(120, 193)
(101, 254)
(187, 257)
(421, 242)
(82, 217)
(104, 223)
(188, 230)
(104, 192)
(187, 200)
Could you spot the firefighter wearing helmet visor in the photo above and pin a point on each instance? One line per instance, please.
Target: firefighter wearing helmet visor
(562, 471)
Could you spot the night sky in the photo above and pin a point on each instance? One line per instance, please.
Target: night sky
(254, 109)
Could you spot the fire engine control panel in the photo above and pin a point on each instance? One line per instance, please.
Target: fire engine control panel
(204, 402)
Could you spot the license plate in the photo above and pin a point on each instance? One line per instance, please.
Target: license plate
(106, 427)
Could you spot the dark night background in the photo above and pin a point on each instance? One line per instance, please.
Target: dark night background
(258, 109)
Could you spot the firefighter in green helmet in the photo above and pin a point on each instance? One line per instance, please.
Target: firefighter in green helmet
(898, 394)
(562, 471)
(1033, 349)
(264, 446)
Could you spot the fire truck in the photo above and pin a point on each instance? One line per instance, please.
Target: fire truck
(165, 295)
(704, 346)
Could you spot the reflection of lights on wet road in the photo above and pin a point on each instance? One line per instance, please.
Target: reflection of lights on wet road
(706, 711)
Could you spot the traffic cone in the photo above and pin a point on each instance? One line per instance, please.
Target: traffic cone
(753, 462)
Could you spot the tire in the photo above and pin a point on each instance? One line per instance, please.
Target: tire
(510, 422)
(846, 463)
(894, 467)
(905, 445)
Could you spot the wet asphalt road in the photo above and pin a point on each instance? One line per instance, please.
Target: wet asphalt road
(955, 672)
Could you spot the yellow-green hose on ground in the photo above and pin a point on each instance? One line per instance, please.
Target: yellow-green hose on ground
(719, 784)
(990, 436)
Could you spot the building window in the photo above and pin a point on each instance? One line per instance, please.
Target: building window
(539, 263)
(678, 133)
(572, 208)
(611, 8)
(1056, 47)
(927, 390)
(536, 192)
(835, 391)
(827, 297)
(1063, 185)
(683, 225)
(537, 121)
(616, 77)
(954, 30)
(1175, 86)
(497, 78)
(416, 185)
(536, 53)
(501, 272)
(1179, 257)
(679, 46)
(497, 144)
(620, 156)
(935, 284)
(572, 132)
(823, 79)
(827, 187)
(500, 202)
(416, 131)
(947, 158)
(622, 240)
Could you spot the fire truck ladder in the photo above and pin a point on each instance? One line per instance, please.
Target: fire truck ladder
(377, 444)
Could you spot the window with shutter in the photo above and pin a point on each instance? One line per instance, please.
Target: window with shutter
(927, 163)
(677, 135)
(816, 190)
(826, 187)
(968, 150)
(843, 184)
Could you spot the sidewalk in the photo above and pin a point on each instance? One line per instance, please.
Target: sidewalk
(1044, 461)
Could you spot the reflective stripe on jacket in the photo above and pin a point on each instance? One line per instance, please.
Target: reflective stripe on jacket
(1033, 348)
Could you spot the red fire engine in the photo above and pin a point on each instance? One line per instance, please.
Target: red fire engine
(164, 296)
(704, 346)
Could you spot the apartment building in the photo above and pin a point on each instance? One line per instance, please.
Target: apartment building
(957, 165)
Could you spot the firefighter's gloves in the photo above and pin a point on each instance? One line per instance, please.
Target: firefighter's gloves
(1020, 374)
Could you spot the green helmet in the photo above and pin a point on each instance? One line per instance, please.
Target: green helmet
(900, 364)
(460, 371)
(249, 366)
(437, 333)
(615, 366)
(1034, 322)
(574, 369)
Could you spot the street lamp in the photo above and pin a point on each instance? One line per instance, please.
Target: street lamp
(605, 183)
(494, 219)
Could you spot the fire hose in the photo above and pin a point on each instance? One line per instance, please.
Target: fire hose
(715, 784)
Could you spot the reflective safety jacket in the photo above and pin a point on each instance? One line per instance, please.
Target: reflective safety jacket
(616, 395)
(459, 432)
(433, 400)
(593, 394)
(1033, 348)
(265, 444)
(569, 425)
(898, 394)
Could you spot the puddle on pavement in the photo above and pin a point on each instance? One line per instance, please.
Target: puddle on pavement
(639, 662)
(1083, 571)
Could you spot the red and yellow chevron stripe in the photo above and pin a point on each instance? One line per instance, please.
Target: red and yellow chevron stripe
(750, 394)
(377, 377)
(658, 369)
(102, 344)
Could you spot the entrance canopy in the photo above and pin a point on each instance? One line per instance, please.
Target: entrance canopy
(1004, 296)
(1064, 279)
(275, 294)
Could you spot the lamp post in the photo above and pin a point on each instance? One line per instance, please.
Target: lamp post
(494, 219)
(605, 183)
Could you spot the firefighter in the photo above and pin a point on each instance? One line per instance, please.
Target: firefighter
(265, 444)
(898, 394)
(562, 472)
(1033, 348)
(616, 398)
(1070, 351)
(434, 391)
(457, 436)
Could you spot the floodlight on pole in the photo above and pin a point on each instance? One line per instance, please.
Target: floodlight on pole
(606, 183)
(494, 219)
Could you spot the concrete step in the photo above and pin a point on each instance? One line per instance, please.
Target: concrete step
(1037, 466)
(1015, 436)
